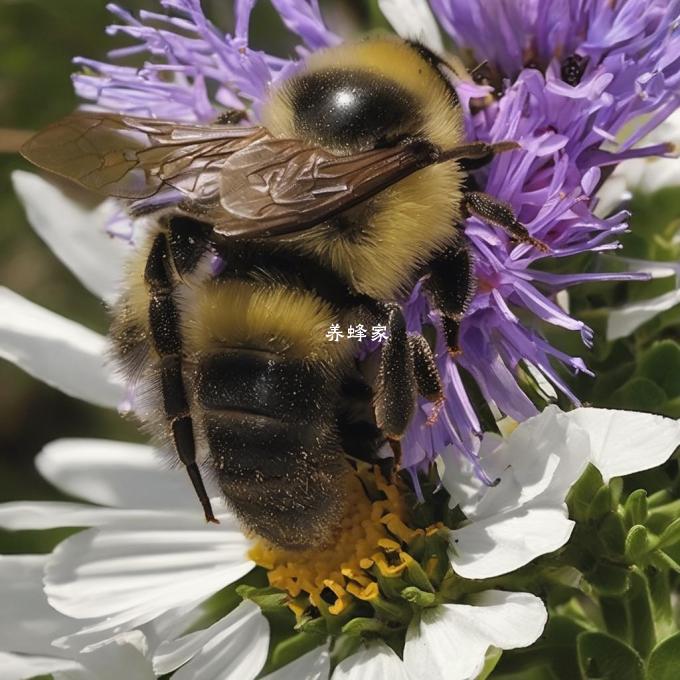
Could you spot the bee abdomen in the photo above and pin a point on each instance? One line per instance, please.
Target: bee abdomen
(269, 424)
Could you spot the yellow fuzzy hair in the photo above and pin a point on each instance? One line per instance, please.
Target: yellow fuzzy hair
(273, 318)
(136, 293)
(403, 227)
(389, 57)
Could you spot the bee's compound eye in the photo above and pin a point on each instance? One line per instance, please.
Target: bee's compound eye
(349, 109)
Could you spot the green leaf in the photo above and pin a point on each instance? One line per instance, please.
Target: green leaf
(659, 499)
(601, 504)
(491, 659)
(533, 673)
(615, 616)
(603, 656)
(670, 535)
(651, 215)
(292, 648)
(660, 591)
(264, 598)
(582, 492)
(418, 597)
(661, 364)
(637, 543)
(664, 662)
(663, 561)
(638, 393)
(671, 408)
(552, 656)
(635, 508)
(663, 514)
(361, 626)
(615, 491)
(641, 614)
(609, 579)
(612, 533)
(609, 381)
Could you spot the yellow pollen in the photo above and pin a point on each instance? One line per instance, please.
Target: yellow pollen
(370, 543)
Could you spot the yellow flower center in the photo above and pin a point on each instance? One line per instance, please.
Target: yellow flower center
(368, 559)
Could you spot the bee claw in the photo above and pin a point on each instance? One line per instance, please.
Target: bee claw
(436, 410)
(543, 247)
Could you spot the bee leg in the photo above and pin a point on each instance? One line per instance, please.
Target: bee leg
(188, 242)
(428, 380)
(450, 286)
(478, 154)
(359, 436)
(231, 117)
(362, 441)
(164, 323)
(500, 214)
(396, 387)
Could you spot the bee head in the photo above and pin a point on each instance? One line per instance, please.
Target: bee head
(364, 95)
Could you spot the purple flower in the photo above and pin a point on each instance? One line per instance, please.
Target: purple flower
(567, 76)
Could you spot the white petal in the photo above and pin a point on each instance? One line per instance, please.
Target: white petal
(172, 624)
(660, 173)
(233, 647)
(614, 191)
(500, 544)
(115, 473)
(57, 351)
(563, 300)
(75, 234)
(315, 665)
(458, 475)
(27, 623)
(375, 662)
(656, 269)
(413, 19)
(121, 657)
(542, 458)
(451, 640)
(19, 667)
(623, 442)
(131, 576)
(624, 320)
(23, 515)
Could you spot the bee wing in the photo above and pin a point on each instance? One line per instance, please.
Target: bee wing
(133, 158)
(278, 186)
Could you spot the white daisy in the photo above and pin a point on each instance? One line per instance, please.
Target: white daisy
(525, 514)
(149, 554)
(28, 625)
(150, 557)
(374, 661)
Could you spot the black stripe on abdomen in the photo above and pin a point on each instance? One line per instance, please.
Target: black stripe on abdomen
(269, 423)
(261, 382)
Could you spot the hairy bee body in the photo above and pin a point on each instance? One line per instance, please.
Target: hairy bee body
(241, 358)
(350, 191)
(237, 361)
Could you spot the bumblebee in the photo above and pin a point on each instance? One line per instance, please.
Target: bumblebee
(351, 190)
